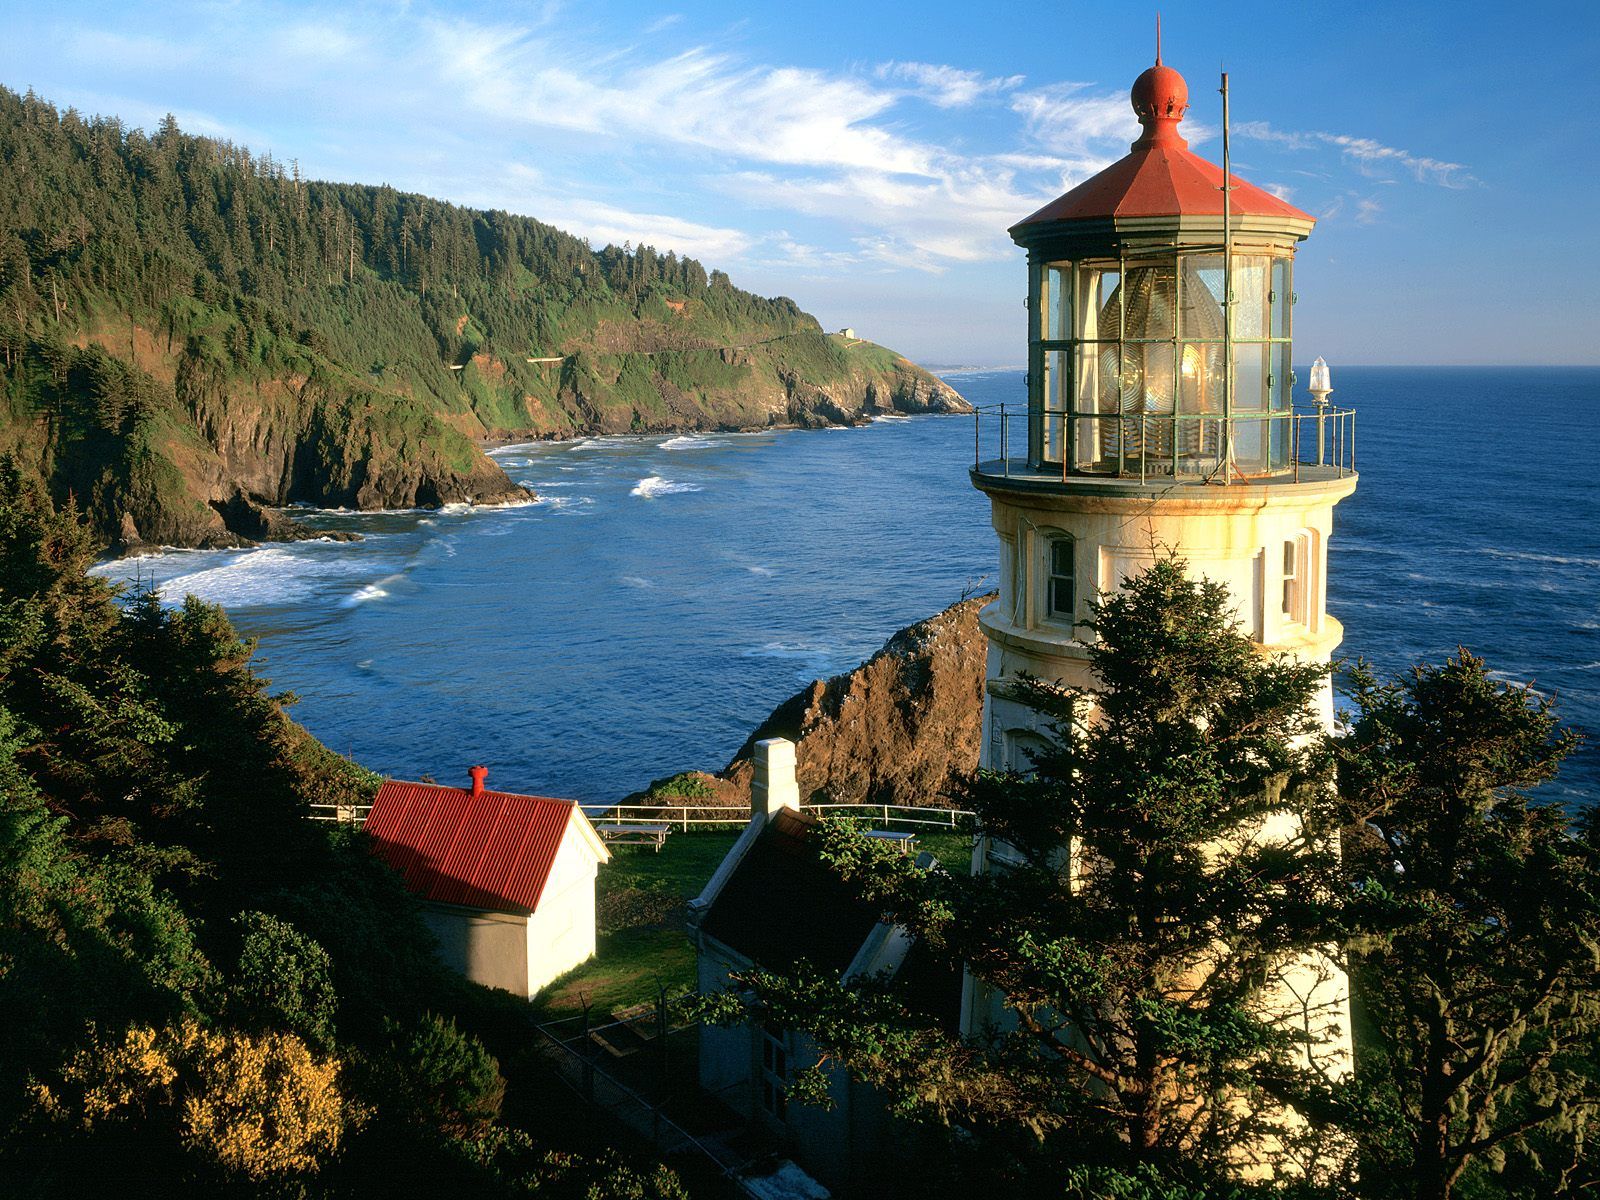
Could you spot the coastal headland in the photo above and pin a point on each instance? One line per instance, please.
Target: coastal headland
(196, 337)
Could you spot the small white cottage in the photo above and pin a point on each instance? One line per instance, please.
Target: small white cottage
(772, 902)
(507, 881)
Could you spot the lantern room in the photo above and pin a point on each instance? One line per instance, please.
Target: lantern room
(1139, 365)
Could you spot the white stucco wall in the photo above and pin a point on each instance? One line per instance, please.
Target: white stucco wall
(561, 934)
(487, 947)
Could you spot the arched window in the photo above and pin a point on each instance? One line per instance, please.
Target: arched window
(1060, 578)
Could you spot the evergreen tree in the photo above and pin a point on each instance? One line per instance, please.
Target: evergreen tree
(1481, 1000)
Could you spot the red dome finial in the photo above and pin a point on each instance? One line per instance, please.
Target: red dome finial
(1160, 97)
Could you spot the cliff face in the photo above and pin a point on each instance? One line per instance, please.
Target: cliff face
(894, 730)
(190, 336)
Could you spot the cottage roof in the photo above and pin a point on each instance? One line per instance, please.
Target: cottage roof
(782, 903)
(475, 848)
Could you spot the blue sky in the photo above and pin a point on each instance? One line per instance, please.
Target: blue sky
(866, 159)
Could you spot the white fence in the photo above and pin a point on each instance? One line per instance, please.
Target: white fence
(704, 816)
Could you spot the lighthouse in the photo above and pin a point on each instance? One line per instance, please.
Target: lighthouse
(1159, 418)
(1160, 421)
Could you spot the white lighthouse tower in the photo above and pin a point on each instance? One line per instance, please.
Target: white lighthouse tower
(1159, 417)
(1160, 421)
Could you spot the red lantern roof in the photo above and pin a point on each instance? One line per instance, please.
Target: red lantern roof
(1161, 177)
(477, 848)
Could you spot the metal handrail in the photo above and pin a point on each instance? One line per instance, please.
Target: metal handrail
(1175, 445)
(687, 816)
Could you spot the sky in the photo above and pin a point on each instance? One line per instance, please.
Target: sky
(866, 159)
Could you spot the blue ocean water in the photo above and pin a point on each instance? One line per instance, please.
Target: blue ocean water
(665, 593)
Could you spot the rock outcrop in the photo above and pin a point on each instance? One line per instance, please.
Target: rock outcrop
(894, 730)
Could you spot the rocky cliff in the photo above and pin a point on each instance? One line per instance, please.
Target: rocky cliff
(893, 731)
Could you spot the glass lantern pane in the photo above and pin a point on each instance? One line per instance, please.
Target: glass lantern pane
(1097, 303)
(1099, 391)
(1251, 435)
(1046, 430)
(1200, 372)
(1057, 301)
(1202, 297)
(1252, 280)
(1250, 369)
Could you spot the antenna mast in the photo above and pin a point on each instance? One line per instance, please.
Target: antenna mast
(1227, 294)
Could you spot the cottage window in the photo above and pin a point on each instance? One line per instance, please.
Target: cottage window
(775, 1072)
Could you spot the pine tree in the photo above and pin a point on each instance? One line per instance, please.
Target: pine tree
(1482, 996)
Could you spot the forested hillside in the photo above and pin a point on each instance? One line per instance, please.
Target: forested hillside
(189, 332)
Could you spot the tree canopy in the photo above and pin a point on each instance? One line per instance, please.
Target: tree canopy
(1479, 986)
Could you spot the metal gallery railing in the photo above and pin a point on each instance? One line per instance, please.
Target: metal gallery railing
(1010, 440)
(706, 816)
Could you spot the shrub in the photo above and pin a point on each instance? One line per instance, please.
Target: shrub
(284, 980)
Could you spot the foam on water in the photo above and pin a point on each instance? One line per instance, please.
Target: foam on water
(567, 506)
(1546, 559)
(690, 442)
(652, 486)
(270, 575)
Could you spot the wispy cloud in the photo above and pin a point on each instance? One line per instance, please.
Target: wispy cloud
(1368, 154)
(698, 98)
(1071, 120)
(946, 86)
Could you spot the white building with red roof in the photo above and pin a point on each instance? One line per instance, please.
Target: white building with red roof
(506, 881)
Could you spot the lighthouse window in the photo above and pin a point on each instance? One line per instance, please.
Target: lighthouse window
(1060, 581)
(1294, 578)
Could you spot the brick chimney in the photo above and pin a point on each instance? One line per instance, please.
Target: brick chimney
(478, 775)
(774, 785)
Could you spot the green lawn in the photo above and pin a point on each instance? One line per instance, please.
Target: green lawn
(640, 901)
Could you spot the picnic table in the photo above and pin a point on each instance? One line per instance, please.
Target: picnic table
(907, 842)
(651, 834)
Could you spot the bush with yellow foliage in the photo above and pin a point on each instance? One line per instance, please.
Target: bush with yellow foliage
(258, 1105)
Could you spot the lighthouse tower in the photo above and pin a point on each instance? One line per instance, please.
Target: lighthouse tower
(1159, 418)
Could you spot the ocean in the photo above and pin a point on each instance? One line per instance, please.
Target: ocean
(663, 594)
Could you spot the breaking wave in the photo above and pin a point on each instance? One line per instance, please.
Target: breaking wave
(652, 486)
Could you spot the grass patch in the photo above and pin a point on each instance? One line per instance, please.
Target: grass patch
(640, 904)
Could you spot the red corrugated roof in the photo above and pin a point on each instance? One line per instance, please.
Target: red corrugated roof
(492, 851)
